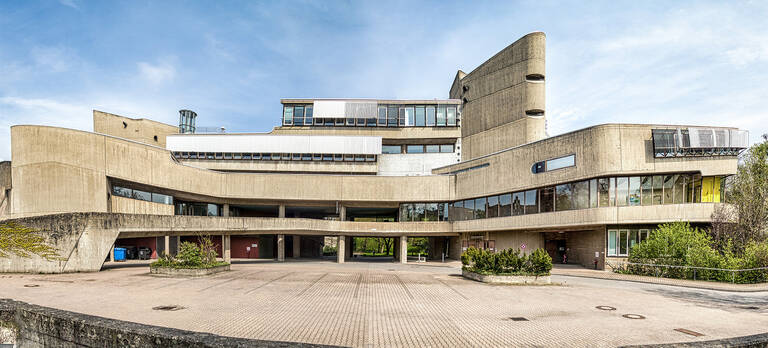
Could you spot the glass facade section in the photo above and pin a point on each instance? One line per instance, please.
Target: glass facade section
(446, 148)
(469, 209)
(451, 115)
(547, 199)
(563, 197)
(658, 189)
(603, 192)
(562, 162)
(432, 148)
(531, 202)
(431, 116)
(622, 191)
(646, 186)
(493, 207)
(669, 189)
(441, 115)
(517, 203)
(505, 205)
(679, 189)
(635, 193)
(420, 120)
(288, 115)
(414, 148)
(581, 195)
(391, 149)
(480, 208)
(593, 193)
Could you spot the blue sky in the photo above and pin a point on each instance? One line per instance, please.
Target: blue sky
(699, 63)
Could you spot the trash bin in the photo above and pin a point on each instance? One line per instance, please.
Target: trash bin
(119, 254)
(145, 253)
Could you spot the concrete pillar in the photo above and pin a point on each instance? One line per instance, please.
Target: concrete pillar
(226, 248)
(340, 249)
(280, 247)
(396, 248)
(281, 211)
(112, 254)
(350, 244)
(403, 249)
(342, 213)
(225, 210)
(167, 249)
(296, 246)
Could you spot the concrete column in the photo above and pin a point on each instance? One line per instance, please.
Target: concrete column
(350, 244)
(226, 248)
(281, 211)
(296, 246)
(167, 249)
(112, 254)
(403, 249)
(342, 213)
(340, 249)
(225, 210)
(280, 247)
(396, 248)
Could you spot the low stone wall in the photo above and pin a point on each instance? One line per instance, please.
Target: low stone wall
(47, 327)
(187, 272)
(502, 279)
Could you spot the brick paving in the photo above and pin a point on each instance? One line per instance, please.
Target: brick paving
(393, 305)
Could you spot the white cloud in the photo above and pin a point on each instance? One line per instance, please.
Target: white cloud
(69, 3)
(156, 73)
(56, 59)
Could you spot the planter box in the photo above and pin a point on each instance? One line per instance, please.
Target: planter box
(504, 279)
(187, 272)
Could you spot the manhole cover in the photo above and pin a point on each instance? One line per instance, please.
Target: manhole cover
(689, 332)
(168, 308)
(633, 316)
(606, 308)
(31, 285)
(517, 319)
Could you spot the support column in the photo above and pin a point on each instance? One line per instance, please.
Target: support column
(342, 213)
(167, 249)
(280, 247)
(281, 211)
(226, 248)
(396, 248)
(225, 210)
(403, 249)
(112, 254)
(296, 246)
(340, 249)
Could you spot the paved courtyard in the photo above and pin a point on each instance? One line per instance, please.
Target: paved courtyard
(387, 304)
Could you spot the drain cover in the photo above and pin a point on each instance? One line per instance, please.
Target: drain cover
(31, 285)
(606, 308)
(689, 332)
(517, 319)
(168, 308)
(633, 316)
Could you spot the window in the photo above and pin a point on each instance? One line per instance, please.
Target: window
(657, 189)
(419, 212)
(430, 116)
(420, 120)
(451, 115)
(409, 117)
(518, 199)
(446, 148)
(295, 157)
(441, 115)
(390, 149)
(646, 186)
(581, 195)
(404, 213)
(414, 149)
(643, 235)
(288, 115)
(306, 157)
(612, 242)
(401, 116)
(505, 205)
(308, 115)
(480, 208)
(382, 116)
(669, 189)
(679, 189)
(392, 116)
(433, 148)
(122, 192)
(547, 199)
(458, 211)
(593, 193)
(431, 211)
(327, 157)
(469, 209)
(634, 191)
(623, 242)
(531, 205)
(163, 199)
(298, 115)
(141, 195)
(622, 191)
(603, 192)
(493, 207)
(612, 192)
(562, 162)
(563, 197)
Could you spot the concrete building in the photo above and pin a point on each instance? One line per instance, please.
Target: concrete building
(477, 169)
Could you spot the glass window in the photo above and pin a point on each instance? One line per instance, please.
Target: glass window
(327, 157)
(122, 192)
(657, 189)
(414, 149)
(563, 197)
(458, 211)
(679, 189)
(431, 211)
(401, 116)
(409, 118)
(562, 162)
(634, 190)
(581, 195)
(518, 199)
(707, 189)
(593, 193)
(432, 148)
(493, 207)
(420, 120)
(392, 116)
(213, 210)
(446, 148)
(505, 205)
(469, 209)
(623, 240)
(646, 186)
(298, 115)
(404, 213)
(442, 209)
(697, 188)
(622, 191)
(164, 199)
(669, 189)
(480, 208)
(643, 236)
(308, 115)
(612, 192)
(430, 116)
(547, 199)
(382, 115)
(451, 115)
(371, 122)
(288, 115)
(144, 196)
(306, 157)
(419, 212)
(389, 149)
(612, 243)
(632, 239)
(603, 192)
(531, 202)
(441, 115)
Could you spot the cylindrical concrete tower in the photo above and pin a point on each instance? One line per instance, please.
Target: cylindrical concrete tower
(187, 121)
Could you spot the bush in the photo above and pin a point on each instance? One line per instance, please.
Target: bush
(506, 262)
(191, 255)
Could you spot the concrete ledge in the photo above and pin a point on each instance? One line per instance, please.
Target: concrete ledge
(503, 279)
(187, 272)
(47, 327)
(752, 341)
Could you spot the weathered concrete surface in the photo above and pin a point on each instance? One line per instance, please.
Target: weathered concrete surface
(47, 327)
(136, 129)
(504, 279)
(187, 272)
(5, 187)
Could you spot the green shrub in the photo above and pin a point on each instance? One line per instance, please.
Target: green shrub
(539, 262)
(506, 262)
(191, 255)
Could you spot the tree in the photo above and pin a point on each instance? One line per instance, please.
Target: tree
(745, 219)
(24, 242)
